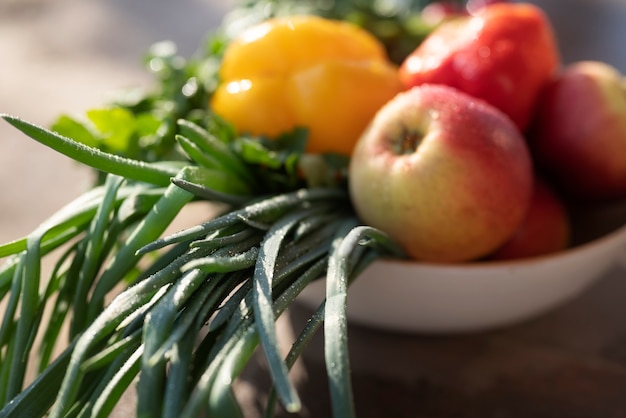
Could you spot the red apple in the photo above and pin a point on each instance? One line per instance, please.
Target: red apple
(504, 54)
(579, 135)
(545, 230)
(446, 175)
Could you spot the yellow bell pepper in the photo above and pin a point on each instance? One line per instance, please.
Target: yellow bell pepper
(328, 76)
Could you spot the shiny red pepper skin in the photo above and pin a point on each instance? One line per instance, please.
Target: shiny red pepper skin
(504, 54)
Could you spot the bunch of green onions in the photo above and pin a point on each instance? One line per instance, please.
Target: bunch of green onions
(194, 305)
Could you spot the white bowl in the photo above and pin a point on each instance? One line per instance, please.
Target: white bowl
(418, 297)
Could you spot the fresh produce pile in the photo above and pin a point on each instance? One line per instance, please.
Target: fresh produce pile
(330, 134)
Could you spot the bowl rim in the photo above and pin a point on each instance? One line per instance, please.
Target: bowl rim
(614, 235)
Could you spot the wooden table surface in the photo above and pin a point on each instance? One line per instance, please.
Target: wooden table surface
(68, 55)
(570, 362)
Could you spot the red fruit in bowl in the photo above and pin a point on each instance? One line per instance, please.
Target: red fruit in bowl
(545, 229)
(446, 175)
(579, 135)
(504, 54)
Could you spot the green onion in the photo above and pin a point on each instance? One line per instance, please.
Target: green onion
(158, 174)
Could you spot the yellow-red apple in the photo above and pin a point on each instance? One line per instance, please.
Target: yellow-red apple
(579, 135)
(545, 230)
(447, 176)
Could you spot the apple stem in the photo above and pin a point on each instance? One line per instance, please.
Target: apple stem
(409, 142)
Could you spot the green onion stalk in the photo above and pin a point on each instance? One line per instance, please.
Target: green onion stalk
(179, 315)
